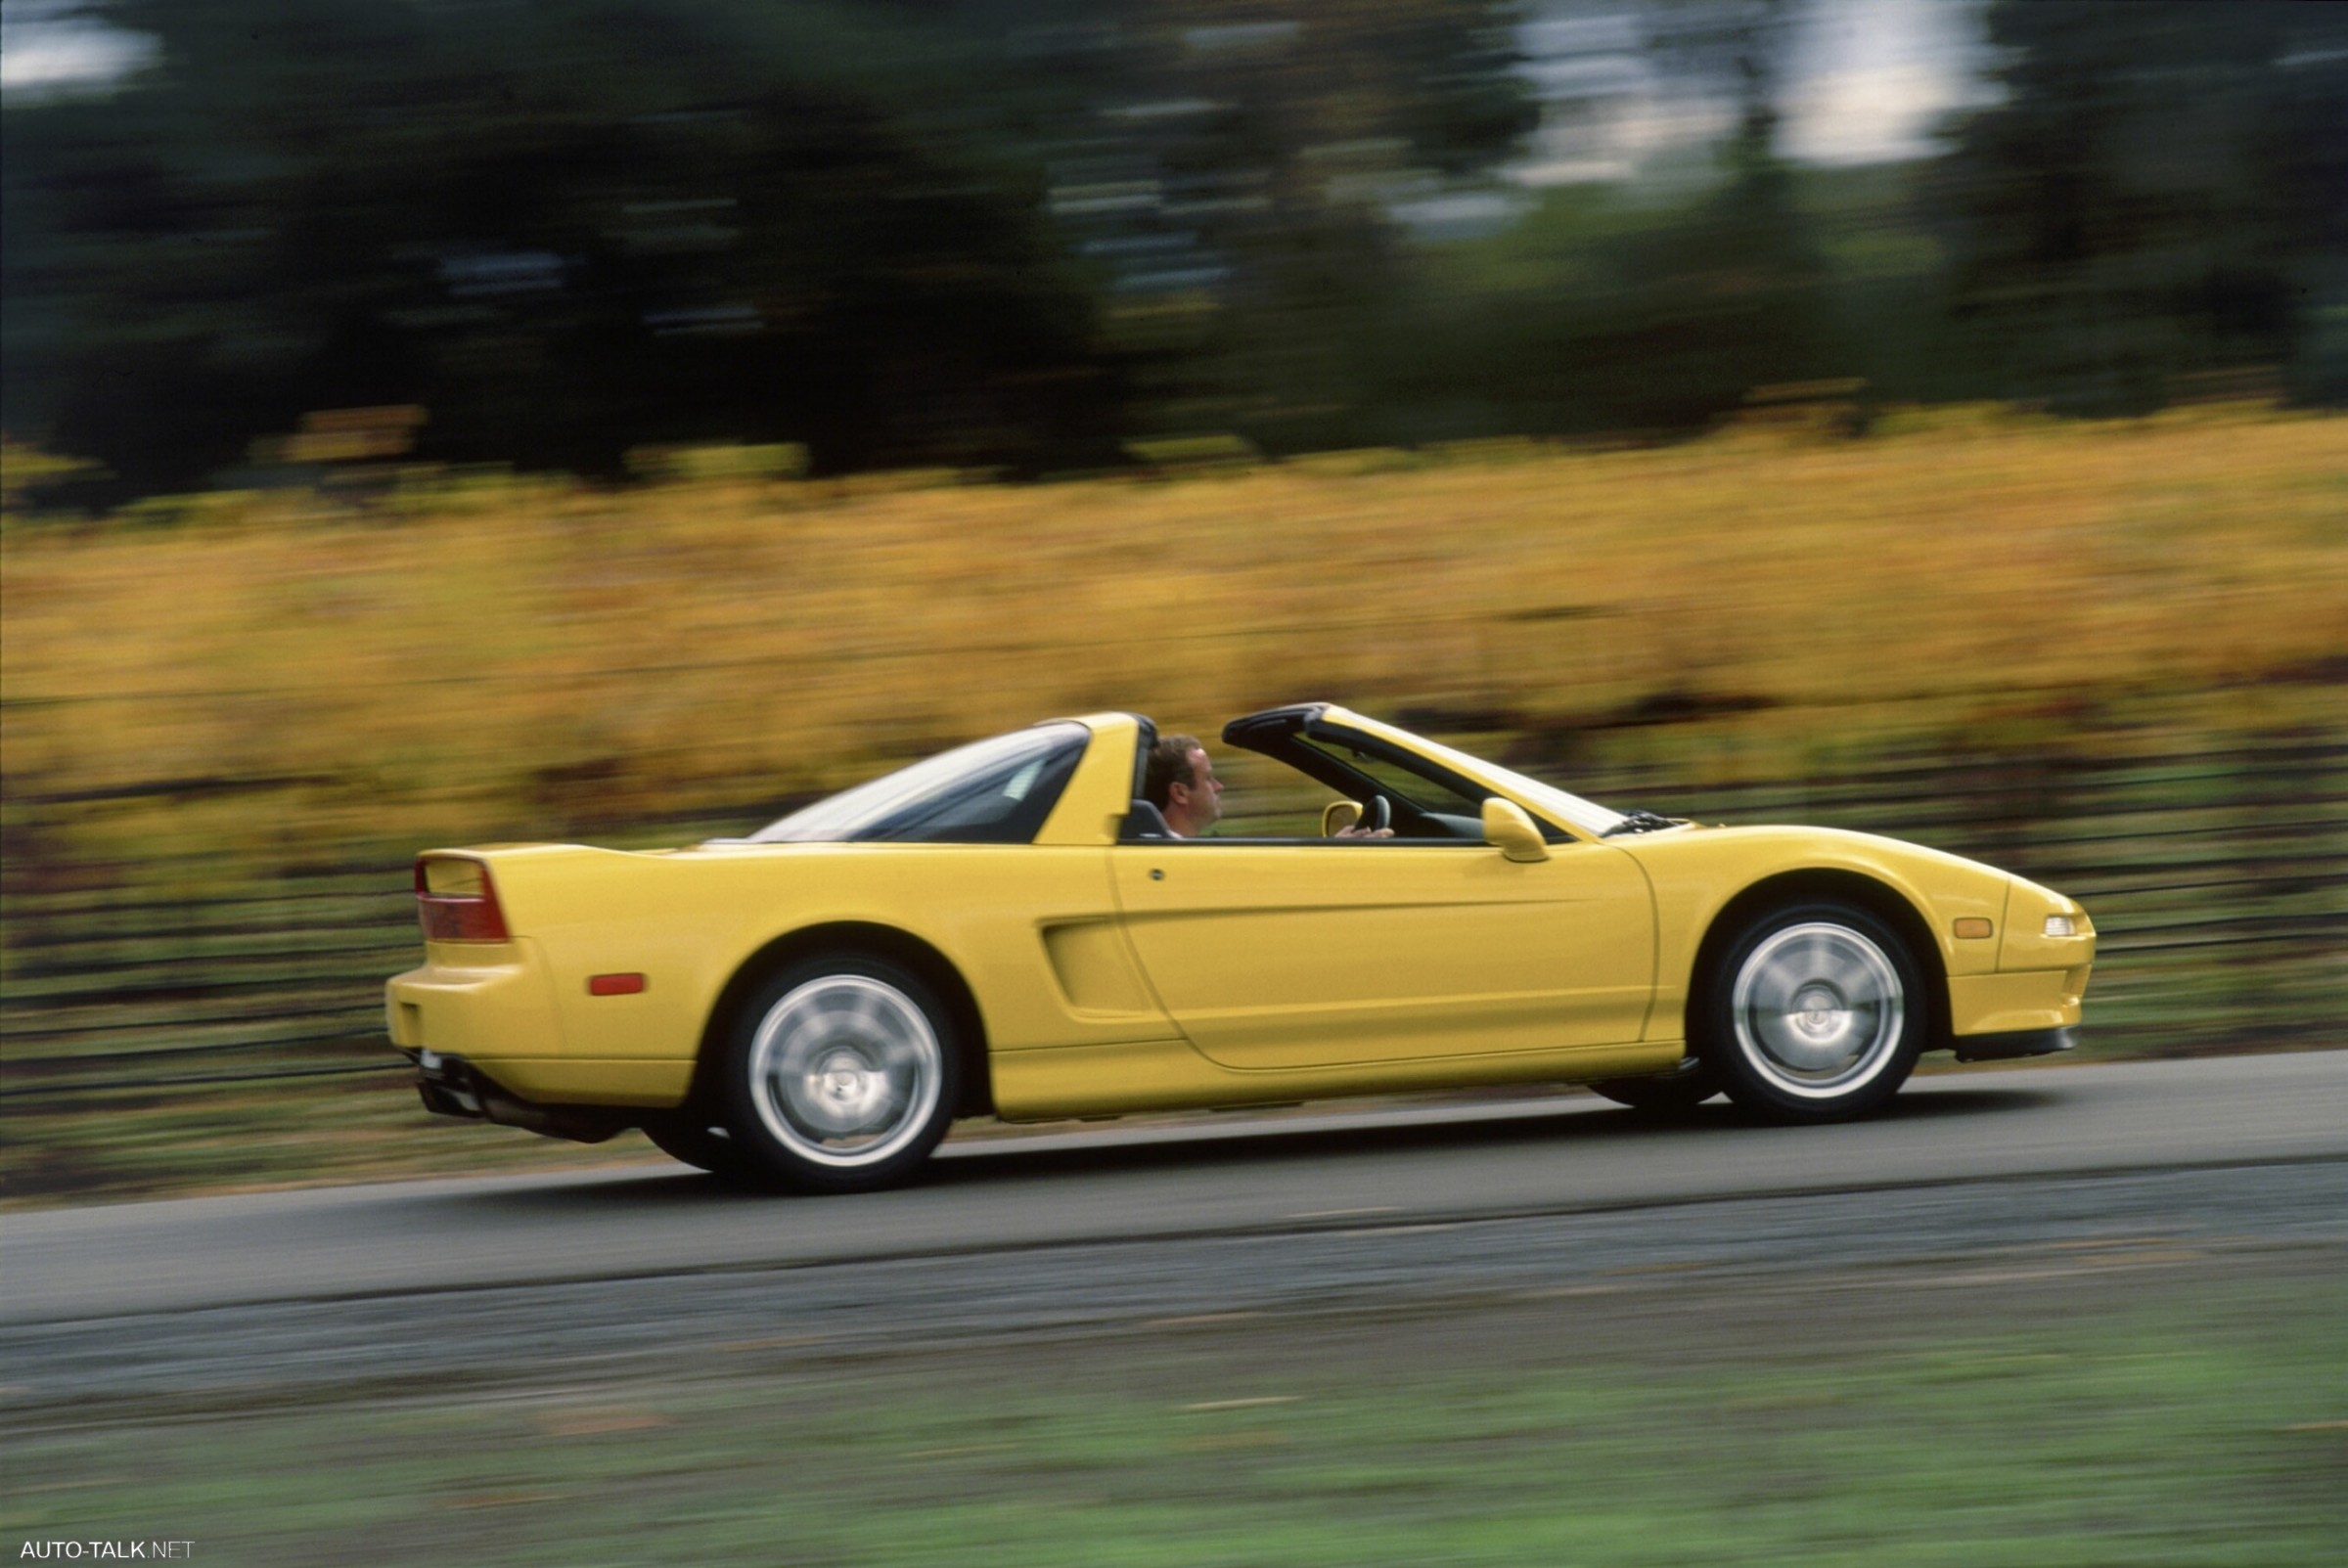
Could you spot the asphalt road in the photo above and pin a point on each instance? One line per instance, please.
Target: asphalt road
(1281, 1181)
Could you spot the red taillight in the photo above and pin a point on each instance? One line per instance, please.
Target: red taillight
(456, 902)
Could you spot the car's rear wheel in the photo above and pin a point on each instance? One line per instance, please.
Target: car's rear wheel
(841, 1074)
(1814, 1014)
(1688, 1084)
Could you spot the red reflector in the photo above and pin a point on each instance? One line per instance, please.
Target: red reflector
(615, 985)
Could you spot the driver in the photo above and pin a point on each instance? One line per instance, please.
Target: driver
(1179, 780)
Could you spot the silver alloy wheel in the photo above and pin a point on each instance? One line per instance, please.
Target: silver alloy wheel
(1819, 1011)
(845, 1070)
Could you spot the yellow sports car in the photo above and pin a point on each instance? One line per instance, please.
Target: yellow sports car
(1018, 929)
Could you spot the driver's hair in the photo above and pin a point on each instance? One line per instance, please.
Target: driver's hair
(1169, 764)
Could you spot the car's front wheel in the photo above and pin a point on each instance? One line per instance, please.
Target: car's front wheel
(841, 1074)
(1815, 1013)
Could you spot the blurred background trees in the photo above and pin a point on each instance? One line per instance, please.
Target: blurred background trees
(2161, 194)
(1026, 233)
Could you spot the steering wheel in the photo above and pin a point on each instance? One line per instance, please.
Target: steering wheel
(1376, 814)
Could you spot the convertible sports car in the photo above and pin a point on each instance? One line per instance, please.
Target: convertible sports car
(1007, 930)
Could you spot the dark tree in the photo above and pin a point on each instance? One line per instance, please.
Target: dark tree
(564, 229)
(2159, 197)
(574, 227)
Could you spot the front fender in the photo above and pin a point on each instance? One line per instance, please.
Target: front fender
(1703, 875)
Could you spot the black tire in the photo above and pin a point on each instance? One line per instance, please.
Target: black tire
(841, 1074)
(1816, 1012)
(1683, 1089)
(691, 1140)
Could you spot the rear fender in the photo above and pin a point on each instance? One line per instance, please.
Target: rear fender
(851, 936)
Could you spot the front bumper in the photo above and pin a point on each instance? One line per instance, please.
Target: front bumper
(1982, 1006)
(2015, 1044)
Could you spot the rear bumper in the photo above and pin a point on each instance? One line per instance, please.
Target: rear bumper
(475, 999)
(451, 1086)
(489, 1008)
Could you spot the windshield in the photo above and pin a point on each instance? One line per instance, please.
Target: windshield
(1587, 815)
(994, 791)
(1416, 788)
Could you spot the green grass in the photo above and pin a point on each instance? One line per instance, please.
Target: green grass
(2199, 1429)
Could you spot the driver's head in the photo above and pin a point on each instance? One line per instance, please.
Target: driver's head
(1179, 780)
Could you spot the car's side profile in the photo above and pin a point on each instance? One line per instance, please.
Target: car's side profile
(1007, 930)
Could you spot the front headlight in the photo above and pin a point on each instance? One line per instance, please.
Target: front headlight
(2062, 925)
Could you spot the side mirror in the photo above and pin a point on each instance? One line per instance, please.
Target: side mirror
(1509, 829)
(1338, 816)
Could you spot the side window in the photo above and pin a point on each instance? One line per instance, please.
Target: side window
(1005, 804)
(994, 792)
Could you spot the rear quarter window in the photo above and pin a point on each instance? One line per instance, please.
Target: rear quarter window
(994, 792)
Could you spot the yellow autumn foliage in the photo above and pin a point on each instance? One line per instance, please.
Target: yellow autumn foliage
(451, 656)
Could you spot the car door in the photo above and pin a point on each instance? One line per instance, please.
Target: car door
(1320, 953)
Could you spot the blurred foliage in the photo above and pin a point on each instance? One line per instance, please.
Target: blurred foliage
(470, 654)
(2103, 654)
(564, 228)
(2162, 195)
(1016, 235)
(569, 229)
